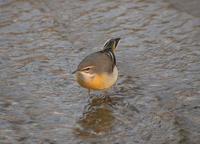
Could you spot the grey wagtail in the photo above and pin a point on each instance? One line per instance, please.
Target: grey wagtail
(98, 70)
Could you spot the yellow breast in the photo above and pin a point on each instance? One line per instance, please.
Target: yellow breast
(100, 81)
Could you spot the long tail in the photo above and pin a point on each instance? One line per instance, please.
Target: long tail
(111, 44)
(109, 48)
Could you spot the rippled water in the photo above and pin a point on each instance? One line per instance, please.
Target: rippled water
(156, 99)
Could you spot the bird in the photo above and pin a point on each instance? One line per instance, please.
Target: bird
(98, 70)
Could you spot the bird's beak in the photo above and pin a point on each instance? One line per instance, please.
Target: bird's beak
(74, 71)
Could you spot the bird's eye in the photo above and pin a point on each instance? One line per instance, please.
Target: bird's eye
(87, 69)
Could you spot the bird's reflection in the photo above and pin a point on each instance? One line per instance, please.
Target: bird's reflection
(97, 118)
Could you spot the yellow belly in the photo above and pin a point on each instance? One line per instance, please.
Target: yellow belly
(99, 82)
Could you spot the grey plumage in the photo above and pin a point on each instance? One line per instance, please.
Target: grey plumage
(101, 60)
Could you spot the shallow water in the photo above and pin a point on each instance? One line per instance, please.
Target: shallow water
(156, 99)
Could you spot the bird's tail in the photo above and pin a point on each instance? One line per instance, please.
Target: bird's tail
(111, 44)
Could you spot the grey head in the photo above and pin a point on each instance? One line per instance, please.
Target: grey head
(98, 62)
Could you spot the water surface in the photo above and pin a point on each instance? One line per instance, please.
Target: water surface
(155, 101)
